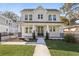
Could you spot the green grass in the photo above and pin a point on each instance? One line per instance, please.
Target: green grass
(61, 48)
(16, 50)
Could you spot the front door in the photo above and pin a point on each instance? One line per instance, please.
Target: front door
(40, 30)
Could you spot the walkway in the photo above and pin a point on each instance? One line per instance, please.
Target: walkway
(41, 48)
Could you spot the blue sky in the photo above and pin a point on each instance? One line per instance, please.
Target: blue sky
(17, 7)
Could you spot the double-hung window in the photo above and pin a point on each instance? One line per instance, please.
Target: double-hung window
(40, 16)
(26, 17)
(54, 17)
(30, 29)
(50, 17)
(26, 29)
(30, 17)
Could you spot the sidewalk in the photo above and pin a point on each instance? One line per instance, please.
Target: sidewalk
(41, 48)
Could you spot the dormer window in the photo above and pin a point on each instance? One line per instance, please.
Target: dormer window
(26, 17)
(54, 17)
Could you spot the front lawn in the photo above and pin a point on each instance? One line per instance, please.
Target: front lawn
(61, 48)
(16, 50)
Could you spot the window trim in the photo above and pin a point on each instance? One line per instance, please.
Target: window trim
(54, 17)
(26, 31)
(50, 17)
(30, 16)
(26, 18)
(30, 29)
(40, 16)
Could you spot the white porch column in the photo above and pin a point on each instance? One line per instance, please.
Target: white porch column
(33, 28)
(48, 28)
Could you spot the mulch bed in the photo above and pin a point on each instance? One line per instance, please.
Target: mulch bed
(14, 40)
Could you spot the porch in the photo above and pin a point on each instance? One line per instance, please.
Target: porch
(40, 29)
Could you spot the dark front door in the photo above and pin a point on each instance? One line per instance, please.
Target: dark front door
(40, 30)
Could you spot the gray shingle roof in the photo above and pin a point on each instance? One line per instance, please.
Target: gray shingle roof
(34, 9)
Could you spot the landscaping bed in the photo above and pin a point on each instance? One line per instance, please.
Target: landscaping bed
(61, 48)
(16, 50)
(32, 40)
(13, 40)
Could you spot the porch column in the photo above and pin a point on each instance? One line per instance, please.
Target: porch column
(33, 28)
(48, 28)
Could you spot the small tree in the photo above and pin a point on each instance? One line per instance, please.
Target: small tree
(69, 38)
(47, 36)
(11, 15)
(65, 20)
(33, 35)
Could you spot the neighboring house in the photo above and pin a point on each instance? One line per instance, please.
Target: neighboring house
(40, 21)
(72, 29)
(7, 25)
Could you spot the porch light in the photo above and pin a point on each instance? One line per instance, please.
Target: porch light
(66, 30)
(73, 29)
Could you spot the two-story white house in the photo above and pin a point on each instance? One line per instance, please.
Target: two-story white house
(40, 21)
(7, 25)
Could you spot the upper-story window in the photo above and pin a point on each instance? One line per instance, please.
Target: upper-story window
(54, 17)
(50, 17)
(30, 17)
(40, 16)
(26, 17)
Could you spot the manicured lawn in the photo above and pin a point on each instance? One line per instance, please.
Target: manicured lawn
(61, 48)
(16, 50)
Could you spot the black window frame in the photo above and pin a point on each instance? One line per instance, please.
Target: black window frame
(26, 30)
(54, 17)
(50, 17)
(26, 18)
(41, 16)
(38, 16)
(30, 17)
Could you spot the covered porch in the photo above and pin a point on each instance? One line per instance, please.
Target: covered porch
(40, 29)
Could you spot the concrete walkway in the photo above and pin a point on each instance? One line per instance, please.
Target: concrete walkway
(41, 48)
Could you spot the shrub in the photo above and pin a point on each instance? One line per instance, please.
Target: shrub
(47, 36)
(33, 35)
(69, 38)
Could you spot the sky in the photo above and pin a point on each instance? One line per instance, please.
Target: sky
(17, 7)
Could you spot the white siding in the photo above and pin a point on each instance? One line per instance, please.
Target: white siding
(40, 11)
